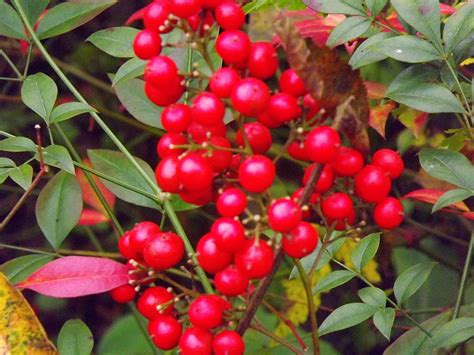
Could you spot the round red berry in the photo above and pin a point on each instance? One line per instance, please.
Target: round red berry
(297, 150)
(195, 172)
(165, 331)
(211, 258)
(205, 312)
(147, 44)
(176, 118)
(233, 46)
(196, 341)
(337, 206)
(229, 233)
(258, 137)
(301, 241)
(342, 223)
(223, 81)
(229, 15)
(228, 342)
(263, 60)
(165, 174)
(156, 14)
(265, 119)
(198, 198)
(311, 106)
(164, 251)
(250, 97)
(284, 215)
(207, 109)
(372, 184)
(388, 214)
(168, 141)
(390, 161)
(231, 202)
(123, 294)
(220, 155)
(185, 8)
(283, 107)
(160, 71)
(323, 144)
(292, 84)
(256, 173)
(164, 97)
(124, 246)
(152, 298)
(348, 162)
(200, 133)
(141, 234)
(231, 281)
(325, 181)
(255, 258)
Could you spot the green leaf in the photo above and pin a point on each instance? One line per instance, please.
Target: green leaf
(75, 338)
(365, 250)
(352, 27)
(10, 22)
(364, 54)
(18, 269)
(454, 332)
(346, 7)
(59, 207)
(448, 165)
(131, 94)
(418, 73)
(22, 175)
(115, 41)
(411, 280)
(39, 92)
(375, 6)
(33, 9)
(410, 49)
(115, 164)
(68, 110)
(347, 316)
(129, 70)
(58, 156)
(67, 16)
(179, 205)
(6, 163)
(334, 279)
(451, 197)
(17, 144)
(458, 26)
(383, 320)
(373, 296)
(423, 15)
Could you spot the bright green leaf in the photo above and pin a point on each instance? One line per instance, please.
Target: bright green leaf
(411, 280)
(375, 6)
(458, 26)
(334, 279)
(410, 49)
(18, 269)
(75, 338)
(454, 332)
(10, 22)
(352, 27)
(17, 144)
(33, 8)
(346, 316)
(129, 70)
(6, 163)
(364, 54)
(22, 175)
(346, 7)
(383, 320)
(39, 92)
(115, 41)
(365, 250)
(59, 157)
(68, 110)
(373, 296)
(451, 197)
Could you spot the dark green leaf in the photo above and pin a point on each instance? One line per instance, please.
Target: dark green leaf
(375, 6)
(17, 144)
(75, 338)
(180, 205)
(364, 54)
(347, 316)
(365, 250)
(22, 175)
(383, 320)
(451, 197)
(18, 269)
(33, 9)
(418, 73)
(411, 280)
(334, 279)
(116, 41)
(352, 27)
(68, 110)
(454, 332)
(59, 207)
(129, 70)
(39, 92)
(410, 49)
(373, 296)
(346, 7)
(59, 157)
(10, 22)
(67, 16)
(458, 26)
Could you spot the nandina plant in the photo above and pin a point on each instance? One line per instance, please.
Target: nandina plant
(294, 168)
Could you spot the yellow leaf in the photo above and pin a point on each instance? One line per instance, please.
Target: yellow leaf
(467, 61)
(20, 330)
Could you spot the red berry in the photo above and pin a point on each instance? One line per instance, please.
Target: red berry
(200, 133)
(263, 60)
(165, 331)
(147, 44)
(313, 200)
(195, 172)
(297, 150)
(153, 297)
(348, 162)
(256, 173)
(176, 118)
(233, 46)
(185, 8)
(372, 184)
(229, 233)
(258, 136)
(337, 206)
(164, 251)
(265, 119)
(123, 294)
(250, 97)
(292, 84)
(165, 174)
(229, 15)
(156, 14)
(124, 246)
(141, 234)
(210, 4)
(342, 223)
(160, 71)
(323, 144)
(164, 97)
(202, 24)
(231, 281)
(210, 257)
(326, 178)
(164, 148)
(205, 312)
(301, 241)
(283, 107)
(228, 342)
(311, 106)
(388, 214)
(199, 198)
(223, 81)
(231, 202)
(284, 215)
(207, 109)
(220, 155)
(390, 161)
(196, 341)
(255, 258)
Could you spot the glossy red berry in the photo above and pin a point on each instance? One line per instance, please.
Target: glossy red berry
(263, 60)
(325, 181)
(156, 14)
(284, 214)
(176, 118)
(152, 298)
(283, 107)
(292, 84)
(200, 133)
(231, 281)
(123, 294)
(165, 174)
(223, 81)
(147, 44)
(250, 97)
(388, 214)
(165, 97)
(348, 162)
(165, 331)
(297, 150)
(390, 161)
(164, 251)
(229, 15)
(185, 8)
(233, 46)
(255, 258)
(220, 155)
(301, 241)
(228, 342)
(323, 144)
(205, 312)
(207, 109)
(372, 184)
(211, 258)
(196, 341)
(210, 4)
(167, 143)
(311, 106)
(141, 234)
(337, 206)
(229, 233)
(232, 202)
(160, 71)
(258, 137)
(256, 173)
(342, 223)
(124, 246)
(265, 119)
(198, 198)
(195, 172)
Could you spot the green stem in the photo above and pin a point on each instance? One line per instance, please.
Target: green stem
(11, 64)
(93, 238)
(29, 250)
(456, 79)
(465, 272)
(139, 321)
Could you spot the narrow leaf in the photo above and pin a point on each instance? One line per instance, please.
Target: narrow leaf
(411, 280)
(75, 338)
(373, 296)
(383, 320)
(451, 197)
(375, 6)
(10, 22)
(410, 49)
(17, 144)
(334, 279)
(364, 54)
(431, 196)
(365, 250)
(454, 332)
(18, 269)
(33, 8)
(116, 41)
(39, 92)
(350, 28)
(68, 110)
(458, 26)
(347, 316)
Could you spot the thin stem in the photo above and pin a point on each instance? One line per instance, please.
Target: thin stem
(93, 238)
(29, 250)
(11, 64)
(462, 285)
(456, 79)
(437, 233)
(261, 329)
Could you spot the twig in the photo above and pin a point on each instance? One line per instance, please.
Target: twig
(465, 272)
(265, 331)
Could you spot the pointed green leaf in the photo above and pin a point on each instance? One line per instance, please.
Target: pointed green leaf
(352, 27)
(17, 144)
(347, 316)
(458, 26)
(18, 269)
(454, 332)
(410, 49)
(129, 70)
(59, 157)
(10, 22)
(22, 175)
(383, 320)
(411, 280)
(365, 53)
(116, 41)
(375, 6)
(75, 338)
(68, 110)
(33, 8)
(7, 163)
(365, 250)
(333, 280)
(39, 92)
(373, 296)
(451, 197)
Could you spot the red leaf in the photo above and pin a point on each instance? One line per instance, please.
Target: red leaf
(446, 9)
(431, 196)
(138, 15)
(379, 115)
(375, 91)
(92, 217)
(75, 276)
(468, 215)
